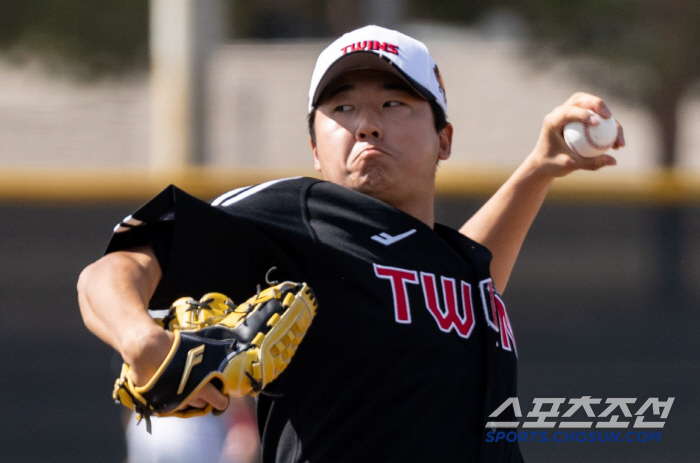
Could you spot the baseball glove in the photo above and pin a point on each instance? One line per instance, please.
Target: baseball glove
(240, 349)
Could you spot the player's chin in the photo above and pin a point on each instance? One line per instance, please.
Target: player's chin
(374, 181)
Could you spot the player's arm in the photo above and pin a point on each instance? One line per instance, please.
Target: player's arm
(503, 222)
(113, 295)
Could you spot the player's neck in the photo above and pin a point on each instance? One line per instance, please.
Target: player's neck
(418, 203)
(423, 210)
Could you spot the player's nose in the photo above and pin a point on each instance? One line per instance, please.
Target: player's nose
(368, 127)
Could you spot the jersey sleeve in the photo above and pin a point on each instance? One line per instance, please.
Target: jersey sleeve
(201, 248)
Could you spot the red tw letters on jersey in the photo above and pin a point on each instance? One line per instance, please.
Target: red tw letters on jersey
(448, 319)
(450, 316)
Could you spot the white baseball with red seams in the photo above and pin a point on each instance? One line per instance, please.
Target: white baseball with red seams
(591, 140)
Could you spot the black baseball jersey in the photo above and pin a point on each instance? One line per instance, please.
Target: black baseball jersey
(411, 348)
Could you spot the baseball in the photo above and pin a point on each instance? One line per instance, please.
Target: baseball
(591, 140)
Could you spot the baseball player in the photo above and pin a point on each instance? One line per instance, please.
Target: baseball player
(411, 348)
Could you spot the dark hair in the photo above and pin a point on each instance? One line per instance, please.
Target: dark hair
(439, 118)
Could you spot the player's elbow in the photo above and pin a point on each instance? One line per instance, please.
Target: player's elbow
(84, 279)
(84, 286)
(121, 275)
(92, 282)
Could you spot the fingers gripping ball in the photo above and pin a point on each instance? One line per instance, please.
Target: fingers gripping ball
(240, 349)
(591, 140)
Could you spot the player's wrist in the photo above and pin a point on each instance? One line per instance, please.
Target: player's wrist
(535, 172)
(144, 350)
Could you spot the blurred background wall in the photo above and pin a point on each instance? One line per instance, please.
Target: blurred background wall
(604, 299)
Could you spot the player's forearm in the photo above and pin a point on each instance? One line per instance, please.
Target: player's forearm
(502, 223)
(113, 294)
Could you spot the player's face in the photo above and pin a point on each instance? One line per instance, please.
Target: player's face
(374, 134)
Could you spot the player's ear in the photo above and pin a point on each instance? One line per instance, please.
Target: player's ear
(317, 163)
(445, 136)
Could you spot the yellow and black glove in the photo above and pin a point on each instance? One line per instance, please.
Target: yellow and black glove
(240, 349)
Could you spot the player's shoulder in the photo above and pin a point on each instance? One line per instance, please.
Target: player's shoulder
(288, 191)
(463, 244)
(273, 190)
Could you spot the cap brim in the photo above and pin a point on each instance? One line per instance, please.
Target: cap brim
(361, 60)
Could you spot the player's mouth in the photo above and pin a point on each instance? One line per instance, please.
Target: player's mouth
(370, 151)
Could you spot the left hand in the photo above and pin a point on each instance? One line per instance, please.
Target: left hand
(551, 156)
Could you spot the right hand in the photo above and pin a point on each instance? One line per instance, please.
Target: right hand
(551, 155)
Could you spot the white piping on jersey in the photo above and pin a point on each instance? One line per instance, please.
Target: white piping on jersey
(128, 223)
(228, 195)
(238, 194)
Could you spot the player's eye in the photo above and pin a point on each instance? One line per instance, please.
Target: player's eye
(343, 108)
(391, 104)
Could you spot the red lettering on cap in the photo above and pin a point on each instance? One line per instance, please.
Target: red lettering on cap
(371, 45)
(391, 48)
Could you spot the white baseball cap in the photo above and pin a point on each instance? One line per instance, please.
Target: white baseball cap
(374, 47)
